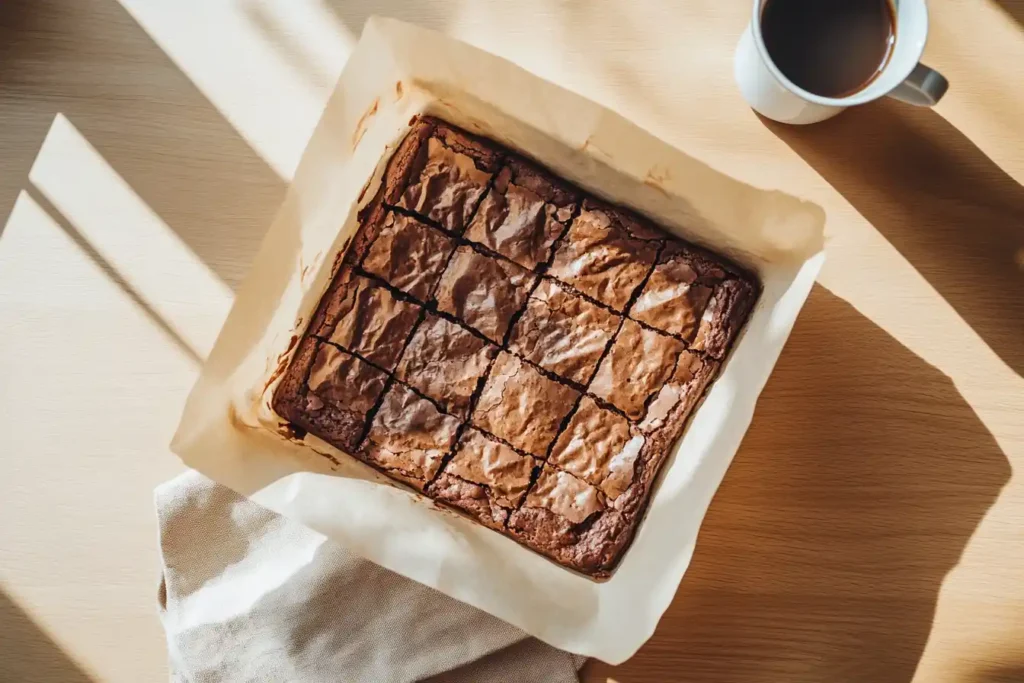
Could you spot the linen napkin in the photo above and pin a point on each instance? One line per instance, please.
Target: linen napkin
(247, 595)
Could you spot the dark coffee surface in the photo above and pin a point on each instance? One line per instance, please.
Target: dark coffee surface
(831, 48)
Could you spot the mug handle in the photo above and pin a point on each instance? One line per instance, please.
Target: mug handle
(924, 87)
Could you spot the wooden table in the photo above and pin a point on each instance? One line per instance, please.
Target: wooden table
(872, 526)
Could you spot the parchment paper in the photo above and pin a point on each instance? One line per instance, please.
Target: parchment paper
(228, 431)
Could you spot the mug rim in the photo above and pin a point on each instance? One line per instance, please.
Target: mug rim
(859, 97)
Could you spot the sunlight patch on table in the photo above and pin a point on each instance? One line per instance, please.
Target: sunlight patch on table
(267, 66)
(148, 259)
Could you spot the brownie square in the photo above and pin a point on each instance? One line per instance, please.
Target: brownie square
(485, 478)
(562, 332)
(329, 392)
(483, 292)
(523, 214)
(600, 447)
(409, 255)
(606, 254)
(445, 362)
(638, 364)
(449, 176)
(522, 406)
(364, 318)
(409, 437)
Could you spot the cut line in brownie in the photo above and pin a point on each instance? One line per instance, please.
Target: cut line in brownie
(483, 292)
(362, 316)
(409, 437)
(485, 478)
(449, 176)
(639, 363)
(522, 406)
(523, 214)
(330, 394)
(512, 347)
(409, 255)
(563, 333)
(445, 362)
(606, 254)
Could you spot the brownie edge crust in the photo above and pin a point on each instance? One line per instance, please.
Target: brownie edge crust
(512, 347)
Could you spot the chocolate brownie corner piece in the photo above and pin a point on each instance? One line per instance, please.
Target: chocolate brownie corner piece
(409, 255)
(485, 478)
(449, 176)
(562, 332)
(606, 254)
(365, 318)
(569, 520)
(639, 363)
(333, 402)
(522, 406)
(445, 362)
(483, 292)
(396, 176)
(409, 437)
(523, 214)
(724, 316)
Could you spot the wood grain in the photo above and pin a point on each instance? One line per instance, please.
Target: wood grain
(872, 526)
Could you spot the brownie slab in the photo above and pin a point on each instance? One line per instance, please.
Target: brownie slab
(522, 406)
(606, 254)
(409, 437)
(523, 214)
(445, 362)
(483, 292)
(409, 255)
(485, 478)
(449, 177)
(364, 318)
(512, 347)
(562, 332)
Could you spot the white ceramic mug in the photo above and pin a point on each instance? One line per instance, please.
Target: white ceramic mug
(773, 95)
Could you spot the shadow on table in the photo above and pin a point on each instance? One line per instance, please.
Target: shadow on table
(28, 654)
(92, 62)
(1015, 8)
(954, 214)
(854, 493)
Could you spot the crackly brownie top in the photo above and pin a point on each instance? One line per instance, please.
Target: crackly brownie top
(409, 255)
(370, 321)
(522, 406)
(449, 177)
(564, 495)
(600, 447)
(341, 378)
(483, 291)
(522, 215)
(562, 332)
(485, 461)
(409, 434)
(606, 254)
(445, 362)
(638, 364)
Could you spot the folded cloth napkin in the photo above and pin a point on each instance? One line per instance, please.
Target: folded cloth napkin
(248, 595)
